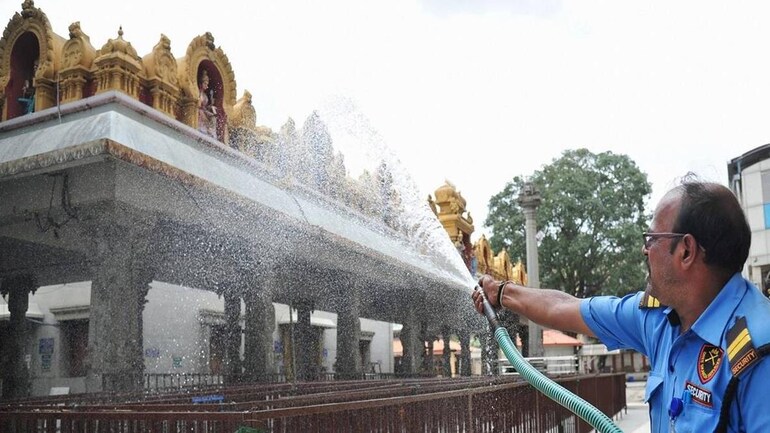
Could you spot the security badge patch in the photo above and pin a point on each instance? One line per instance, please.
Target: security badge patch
(740, 350)
(699, 395)
(709, 360)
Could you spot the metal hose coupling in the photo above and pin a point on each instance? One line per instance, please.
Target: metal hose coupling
(489, 312)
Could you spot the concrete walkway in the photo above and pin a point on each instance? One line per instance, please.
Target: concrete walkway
(637, 419)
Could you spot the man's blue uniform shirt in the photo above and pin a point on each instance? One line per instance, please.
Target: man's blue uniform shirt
(685, 366)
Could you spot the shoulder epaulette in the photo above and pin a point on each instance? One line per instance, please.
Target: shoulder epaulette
(649, 301)
(741, 354)
(740, 350)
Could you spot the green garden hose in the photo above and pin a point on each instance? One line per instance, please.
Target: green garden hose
(551, 389)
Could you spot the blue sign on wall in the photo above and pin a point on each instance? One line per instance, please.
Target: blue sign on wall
(45, 346)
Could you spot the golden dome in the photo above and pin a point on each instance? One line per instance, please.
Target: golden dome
(119, 46)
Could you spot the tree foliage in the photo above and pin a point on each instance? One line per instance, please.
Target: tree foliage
(590, 221)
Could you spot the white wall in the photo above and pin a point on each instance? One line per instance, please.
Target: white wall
(173, 328)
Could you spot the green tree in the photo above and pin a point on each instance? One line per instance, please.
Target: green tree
(590, 223)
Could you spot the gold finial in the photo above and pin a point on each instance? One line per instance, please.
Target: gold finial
(75, 31)
(120, 32)
(210, 40)
(28, 9)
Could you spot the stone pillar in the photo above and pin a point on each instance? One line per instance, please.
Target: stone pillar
(260, 325)
(123, 266)
(447, 355)
(348, 364)
(529, 200)
(427, 350)
(524, 335)
(488, 353)
(412, 347)
(45, 93)
(233, 369)
(118, 294)
(305, 345)
(465, 353)
(13, 368)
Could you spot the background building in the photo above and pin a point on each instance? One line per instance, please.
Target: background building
(749, 178)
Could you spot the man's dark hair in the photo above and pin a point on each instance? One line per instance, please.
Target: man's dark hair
(711, 213)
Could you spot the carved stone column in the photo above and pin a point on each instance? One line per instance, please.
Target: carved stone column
(447, 355)
(488, 353)
(426, 341)
(122, 268)
(348, 330)
(465, 353)
(13, 368)
(45, 93)
(260, 325)
(233, 369)
(529, 200)
(412, 347)
(305, 344)
(118, 294)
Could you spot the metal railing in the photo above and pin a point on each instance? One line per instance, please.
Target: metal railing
(550, 365)
(469, 405)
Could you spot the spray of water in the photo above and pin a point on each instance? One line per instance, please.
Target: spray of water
(361, 143)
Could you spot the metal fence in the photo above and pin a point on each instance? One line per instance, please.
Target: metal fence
(567, 364)
(476, 405)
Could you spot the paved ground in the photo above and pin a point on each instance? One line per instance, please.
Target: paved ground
(637, 419)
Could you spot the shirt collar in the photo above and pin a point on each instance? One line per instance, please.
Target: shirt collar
(711, 324)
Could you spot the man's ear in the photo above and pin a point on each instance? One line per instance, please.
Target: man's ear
(689, 249)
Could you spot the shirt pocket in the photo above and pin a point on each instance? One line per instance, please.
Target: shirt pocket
(653, 384)
(697, 418)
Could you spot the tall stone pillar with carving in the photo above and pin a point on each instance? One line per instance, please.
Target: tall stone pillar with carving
(489, 352)
(447, 355)
(348, 329)
(529, 200)
(260, 325)
(305, 343)
(233, 368)
(122, 273)
(13, 367)
(465, 352)
(426, 341)
(411, 344)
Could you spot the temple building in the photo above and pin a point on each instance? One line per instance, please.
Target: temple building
(150, 228)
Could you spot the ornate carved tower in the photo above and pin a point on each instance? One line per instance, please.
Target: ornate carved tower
(118, 67)
(76, 75)
(456, 221)
(29, 59)
(39, 69)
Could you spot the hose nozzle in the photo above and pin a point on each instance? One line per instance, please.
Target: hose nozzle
(489, 312)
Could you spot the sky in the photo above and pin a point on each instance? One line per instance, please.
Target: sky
(477, 92)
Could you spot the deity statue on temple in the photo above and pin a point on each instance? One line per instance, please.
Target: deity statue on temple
(27, 98)
(207, 111)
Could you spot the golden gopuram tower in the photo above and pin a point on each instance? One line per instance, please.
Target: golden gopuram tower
(40, 69)
(449, 207)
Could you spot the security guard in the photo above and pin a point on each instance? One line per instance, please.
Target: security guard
(702, 325)
(690, 370)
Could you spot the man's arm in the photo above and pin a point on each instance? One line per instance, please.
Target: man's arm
(550, 308)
